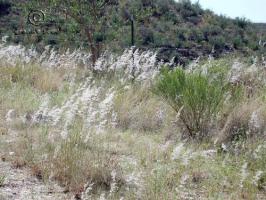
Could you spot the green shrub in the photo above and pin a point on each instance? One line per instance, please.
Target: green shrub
(241, 22)
(237, 42)
(194, 97)
(218, 42)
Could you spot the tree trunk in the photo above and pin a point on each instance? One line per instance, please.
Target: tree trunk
(93, 47)
(95, 50)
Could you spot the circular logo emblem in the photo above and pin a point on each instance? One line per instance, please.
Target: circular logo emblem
(36, 17)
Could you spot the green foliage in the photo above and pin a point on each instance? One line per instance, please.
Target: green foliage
(193, 96)
(241, 22)
(218, 42)
(237, 41)
(158, 23)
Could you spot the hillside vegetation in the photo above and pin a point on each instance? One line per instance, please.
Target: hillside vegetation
(128, 131)
(181, 29)
(108, 121)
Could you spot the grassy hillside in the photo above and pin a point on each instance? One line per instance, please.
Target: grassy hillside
(102, 136)
(127, 126)
(179, 29)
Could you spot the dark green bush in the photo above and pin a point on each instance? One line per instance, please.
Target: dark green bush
(4, 7)
(218, 42)
(237, 42)
(241, 22)
(147, 36)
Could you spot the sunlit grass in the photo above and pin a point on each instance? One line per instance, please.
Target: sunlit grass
(142, 156)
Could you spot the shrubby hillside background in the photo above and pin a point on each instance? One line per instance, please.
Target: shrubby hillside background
(177, 29)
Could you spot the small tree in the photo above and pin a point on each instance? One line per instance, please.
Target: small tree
(193, 96)
(88, 14)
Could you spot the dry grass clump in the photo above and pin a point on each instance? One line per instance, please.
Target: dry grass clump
(22, 88)
(251, 78)
(18, 163)
(73, 162)
(43, 80)
(47, 81)
(137, 109)
(3, 130)
(245, 121)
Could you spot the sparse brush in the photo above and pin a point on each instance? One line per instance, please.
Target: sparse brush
(195, 98)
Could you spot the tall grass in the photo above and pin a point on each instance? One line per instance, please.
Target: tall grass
(118, 160)
(43, 80)
(73, 162)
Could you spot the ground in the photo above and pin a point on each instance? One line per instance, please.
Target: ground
(20, 184)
